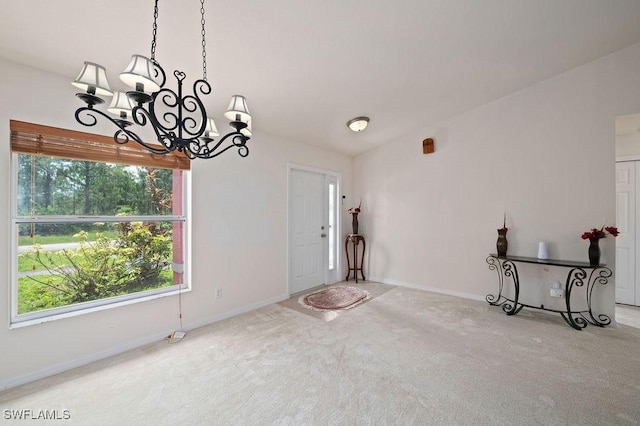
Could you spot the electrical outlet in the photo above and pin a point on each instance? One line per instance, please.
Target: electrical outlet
(556, 292)
(218, 293)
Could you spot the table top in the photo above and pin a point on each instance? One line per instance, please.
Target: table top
(552, 262)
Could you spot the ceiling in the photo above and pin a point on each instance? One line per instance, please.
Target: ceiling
(307, 67)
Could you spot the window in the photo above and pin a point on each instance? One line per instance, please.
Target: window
(332, 225)
(94, 223)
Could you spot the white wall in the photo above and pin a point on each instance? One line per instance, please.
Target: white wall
(544, 154)
(239, 238)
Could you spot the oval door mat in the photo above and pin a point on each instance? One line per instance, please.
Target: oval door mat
(333, 298)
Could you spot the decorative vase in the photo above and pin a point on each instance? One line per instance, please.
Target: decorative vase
(354, 222)
(502, 243)
(594, 251)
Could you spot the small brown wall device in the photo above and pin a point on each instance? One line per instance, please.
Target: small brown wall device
(427, 146)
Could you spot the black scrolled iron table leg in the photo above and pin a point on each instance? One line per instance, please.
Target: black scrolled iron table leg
(364, 249)
(346, 249)
(600, 276)
(575, 278)
(355, 258)
(510, 270)
(495, 265)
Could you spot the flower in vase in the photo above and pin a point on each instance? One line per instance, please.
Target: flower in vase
(504, 224)
(600, 233)
(355, 210)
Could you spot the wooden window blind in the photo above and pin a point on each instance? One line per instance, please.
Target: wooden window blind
(29, 138)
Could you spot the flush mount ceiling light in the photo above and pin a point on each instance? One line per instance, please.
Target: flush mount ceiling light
(358, 124)
(180, 122)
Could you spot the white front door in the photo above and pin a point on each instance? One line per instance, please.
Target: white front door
(626, 242)
(314, 226)
(307, 230)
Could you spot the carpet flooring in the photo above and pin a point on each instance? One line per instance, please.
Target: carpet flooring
(404, 357)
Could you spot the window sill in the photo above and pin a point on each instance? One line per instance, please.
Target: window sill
(76, 311)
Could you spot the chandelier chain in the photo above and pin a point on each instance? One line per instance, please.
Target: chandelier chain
(204, 43)
(155, 31)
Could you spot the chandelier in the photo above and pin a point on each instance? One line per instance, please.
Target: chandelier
(179, 121)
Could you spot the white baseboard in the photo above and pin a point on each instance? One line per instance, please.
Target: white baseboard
(236, 312)
(427, 288)
(88, 359)
(78, 362)
(614, 323)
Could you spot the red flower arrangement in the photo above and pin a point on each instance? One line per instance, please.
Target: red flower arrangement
(355, 209)
(504, 224)
(600, 233)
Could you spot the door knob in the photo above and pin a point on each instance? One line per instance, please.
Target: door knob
(323, 235)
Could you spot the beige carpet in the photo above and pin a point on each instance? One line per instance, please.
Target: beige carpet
(404, 357)
(628, 315)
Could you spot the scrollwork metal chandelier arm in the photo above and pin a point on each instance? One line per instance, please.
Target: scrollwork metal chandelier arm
(86, 116)
(192, 148)
(237, 140)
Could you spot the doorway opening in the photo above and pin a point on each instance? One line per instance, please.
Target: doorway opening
(627, 268)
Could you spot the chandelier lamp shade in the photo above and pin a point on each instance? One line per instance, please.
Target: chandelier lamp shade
(139, 74)
(120, 105)
(179, 121)
(93, 79)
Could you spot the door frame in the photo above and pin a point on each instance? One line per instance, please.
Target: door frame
(634, 158)
(626, 289)
(328, 174)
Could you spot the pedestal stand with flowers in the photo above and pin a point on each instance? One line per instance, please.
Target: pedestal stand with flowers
(355, 239)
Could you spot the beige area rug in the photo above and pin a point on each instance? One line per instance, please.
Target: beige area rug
(334, 298)
(373, 289)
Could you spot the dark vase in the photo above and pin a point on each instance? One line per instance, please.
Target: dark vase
(502, 243)
(354, 222)
(594, 251)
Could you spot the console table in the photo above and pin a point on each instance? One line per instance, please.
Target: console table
(355, 240)
(577, 276)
